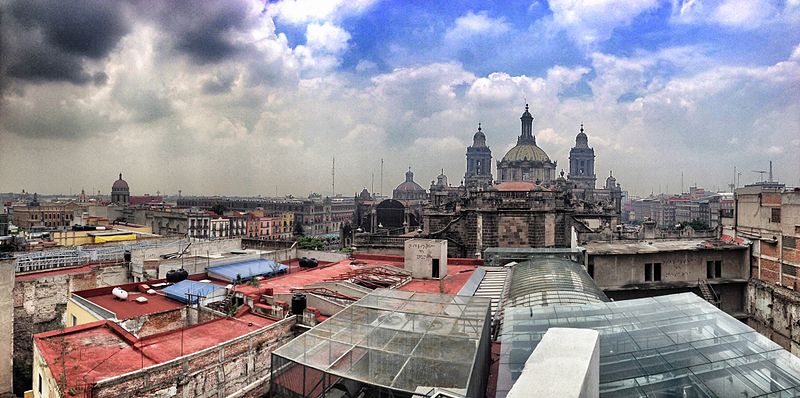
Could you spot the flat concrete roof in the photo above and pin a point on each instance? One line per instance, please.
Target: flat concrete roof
(658, 246)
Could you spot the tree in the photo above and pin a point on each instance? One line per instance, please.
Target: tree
(297, 230)
(219, 208)
(309, 243)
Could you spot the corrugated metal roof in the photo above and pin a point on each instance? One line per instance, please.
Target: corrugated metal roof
(188, 291)
(246, 270)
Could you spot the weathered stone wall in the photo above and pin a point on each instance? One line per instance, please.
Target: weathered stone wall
(240, 366)
(6, 324)
(774, 312)
(40, 300)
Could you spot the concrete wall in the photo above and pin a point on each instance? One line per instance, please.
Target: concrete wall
(775, 313)
(6, 325)
(617, 270)
(419, 256)
(40, 302)
(322, 256)
(240, 366)
(138, 256)
(565, 364)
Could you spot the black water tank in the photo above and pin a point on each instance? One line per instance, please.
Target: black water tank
(298, 303)
(306, 262)
(172, 276)
(181, 274)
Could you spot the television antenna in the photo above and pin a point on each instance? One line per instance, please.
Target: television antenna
(760, 174)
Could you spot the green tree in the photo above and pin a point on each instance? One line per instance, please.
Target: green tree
(297, 229)
(309, 243)
(219, 208)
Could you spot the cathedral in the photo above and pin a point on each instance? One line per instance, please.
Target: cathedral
(526, 161)
(527, 205)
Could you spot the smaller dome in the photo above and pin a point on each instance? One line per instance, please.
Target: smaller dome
(479, 139)
(120, 184)
(581, 141)
(409, 184)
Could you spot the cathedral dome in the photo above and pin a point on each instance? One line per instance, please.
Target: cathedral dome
(120, 184)
(526, 151)
(409, 185)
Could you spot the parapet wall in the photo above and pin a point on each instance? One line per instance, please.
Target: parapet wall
(240, 366)
(775, 312)
(40, 302)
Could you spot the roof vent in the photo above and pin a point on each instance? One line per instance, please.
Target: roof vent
(141, 300)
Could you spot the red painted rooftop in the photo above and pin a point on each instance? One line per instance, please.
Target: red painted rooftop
(129, 308)
(299, 277)
(101, 350)
(458, 272)
(457, 276)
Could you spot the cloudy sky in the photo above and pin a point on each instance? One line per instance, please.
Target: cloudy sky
(248, 98)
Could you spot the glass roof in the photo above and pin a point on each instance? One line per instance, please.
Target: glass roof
(398, 339)
(551, 281)
(677, 345)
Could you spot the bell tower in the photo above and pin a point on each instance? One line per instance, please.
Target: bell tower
(479, 162)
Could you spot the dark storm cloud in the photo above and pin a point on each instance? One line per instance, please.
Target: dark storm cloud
(39, 63)
(219, 84)
(85, 28)
(205, 30)
(51, 40)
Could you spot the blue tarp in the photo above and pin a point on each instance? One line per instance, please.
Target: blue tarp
(188, 291)
(246, 270)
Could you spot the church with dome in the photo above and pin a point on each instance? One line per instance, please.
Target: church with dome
(529, 203)
(120, 192)
(526, 161)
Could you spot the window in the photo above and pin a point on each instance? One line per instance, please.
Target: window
(652, 272)
(40, 384)
(776, 215)
(590, 269)
(713, 269)
(74, 320)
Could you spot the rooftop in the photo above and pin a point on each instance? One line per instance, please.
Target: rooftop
(459, 271)
(394, 340)
(676, 345)
(101, 349)
(658, 246)
(129, 308)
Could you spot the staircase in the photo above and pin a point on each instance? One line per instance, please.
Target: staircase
(708, 292)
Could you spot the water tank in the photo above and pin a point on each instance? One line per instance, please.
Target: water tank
(181, 274)
(123, 295)
(306, 262)
(298, 303)
(172, 276)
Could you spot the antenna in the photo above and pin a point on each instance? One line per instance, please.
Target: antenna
(333, 177)
(381, 176)
(760, 174)
(372, 186)
(770, 171)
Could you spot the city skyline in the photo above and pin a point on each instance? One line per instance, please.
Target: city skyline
(235, 98)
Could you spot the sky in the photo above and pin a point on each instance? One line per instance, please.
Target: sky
(251, 98)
